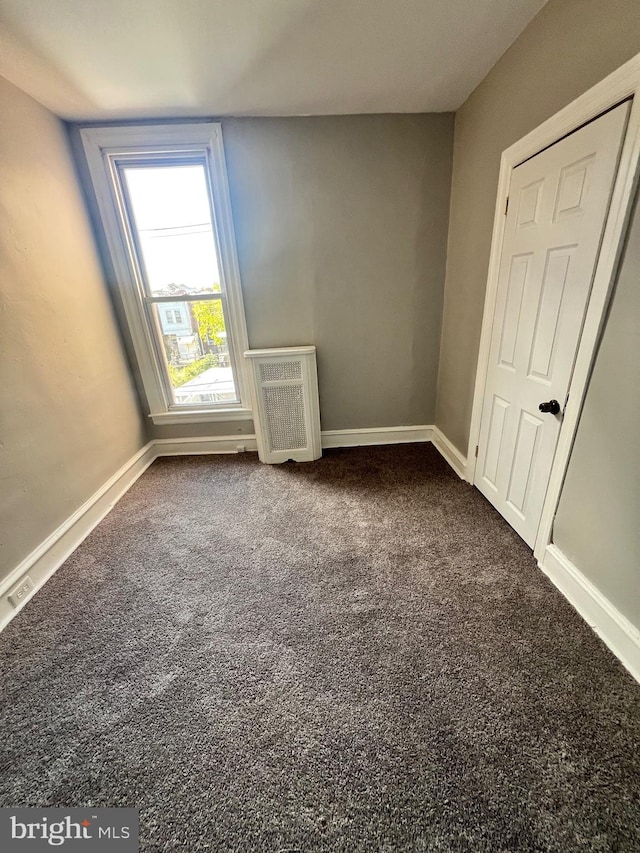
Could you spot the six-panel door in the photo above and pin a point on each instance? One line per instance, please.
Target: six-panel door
(558, 201)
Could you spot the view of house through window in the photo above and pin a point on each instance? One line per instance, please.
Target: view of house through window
(170, 217)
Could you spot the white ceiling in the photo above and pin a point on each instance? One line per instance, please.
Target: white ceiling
(95, 59)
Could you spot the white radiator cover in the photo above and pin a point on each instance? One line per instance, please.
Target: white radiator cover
(286, 410)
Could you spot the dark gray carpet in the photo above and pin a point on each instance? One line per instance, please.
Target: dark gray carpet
(355, 654)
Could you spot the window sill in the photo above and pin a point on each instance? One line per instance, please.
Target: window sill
(201, 416)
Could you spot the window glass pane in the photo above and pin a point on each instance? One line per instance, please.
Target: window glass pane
(194, 342)
(172, 218)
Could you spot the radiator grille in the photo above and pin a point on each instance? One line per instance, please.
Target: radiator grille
(286, 404)
(284, 408)
(279, 371)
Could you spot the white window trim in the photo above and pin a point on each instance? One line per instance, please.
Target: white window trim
(102, 145)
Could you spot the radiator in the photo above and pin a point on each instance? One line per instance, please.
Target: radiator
(285, 403)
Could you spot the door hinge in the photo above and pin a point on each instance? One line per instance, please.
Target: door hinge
(506, 206)
(477, 450)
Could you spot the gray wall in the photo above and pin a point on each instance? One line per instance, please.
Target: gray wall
(341, 227)
(68, 413)
(598, 520)
(567, 48)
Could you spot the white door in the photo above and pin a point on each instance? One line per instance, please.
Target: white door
(558, 202)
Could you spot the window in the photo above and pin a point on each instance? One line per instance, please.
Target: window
(164, 201)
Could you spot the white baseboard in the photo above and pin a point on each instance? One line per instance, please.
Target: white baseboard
(209, 444)
(450, 453)
(398, 435)
(614, 629)
(41, 563)
(381, 435)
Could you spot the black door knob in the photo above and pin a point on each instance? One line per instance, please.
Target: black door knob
(553, 407)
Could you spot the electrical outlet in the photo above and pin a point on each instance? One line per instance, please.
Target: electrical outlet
(20, 593)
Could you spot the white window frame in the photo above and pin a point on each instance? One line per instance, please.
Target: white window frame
(104, 148)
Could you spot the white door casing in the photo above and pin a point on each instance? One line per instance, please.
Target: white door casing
(558, 202)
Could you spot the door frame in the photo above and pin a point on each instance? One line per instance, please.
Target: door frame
(618, 86)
